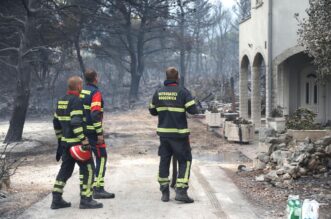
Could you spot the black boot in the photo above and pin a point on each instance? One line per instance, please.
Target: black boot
(58, 202)
(100, 193)
(89, 203)
(165, 193)
(181, 195)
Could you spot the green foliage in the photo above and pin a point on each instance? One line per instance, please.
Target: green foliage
(301, 119)
(242, 121)
(315, 35)
(277, 112)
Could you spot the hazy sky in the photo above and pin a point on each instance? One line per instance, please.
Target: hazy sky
(226, 3)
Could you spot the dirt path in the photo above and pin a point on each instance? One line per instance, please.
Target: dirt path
(131, 174)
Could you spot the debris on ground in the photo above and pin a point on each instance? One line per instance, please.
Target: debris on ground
(286, 159)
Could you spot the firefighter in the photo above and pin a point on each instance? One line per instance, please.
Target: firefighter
(93, 107)
(170, 103)
(68, 125)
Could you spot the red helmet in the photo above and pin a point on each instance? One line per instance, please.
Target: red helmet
(79, 154)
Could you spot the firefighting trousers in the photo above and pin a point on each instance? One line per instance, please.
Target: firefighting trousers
(181, 149)
(100, 155)
(86, 175)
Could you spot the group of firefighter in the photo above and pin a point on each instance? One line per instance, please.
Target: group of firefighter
(79, 130)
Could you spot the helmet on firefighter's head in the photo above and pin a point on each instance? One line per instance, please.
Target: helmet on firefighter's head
(79, 154)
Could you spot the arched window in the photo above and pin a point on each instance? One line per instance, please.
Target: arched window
(311, 89)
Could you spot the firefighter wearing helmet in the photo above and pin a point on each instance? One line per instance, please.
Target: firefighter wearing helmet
(73, 147)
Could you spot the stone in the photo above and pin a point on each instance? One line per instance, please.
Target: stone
(288, 182)
(271, 176)
(329, 163)
(258, 165)
(290, 169)
(322, 169)
(273, 140)
(286, 176)
(259, 178)
(307, 140)
(328, 149)
(263, 157)
(280, 171)
(266, 132)
(302, 171)
(304, 147)
(280, 185)
(312, 164)
(272, 148)
(280, 157)
(324, 141)
(281, 146)
(285, 138)
(265, 147)
(300, 158)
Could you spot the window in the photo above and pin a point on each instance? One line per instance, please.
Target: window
(245, 9)
(315, 94)
(307, 93)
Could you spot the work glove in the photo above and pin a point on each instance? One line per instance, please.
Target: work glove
(59, 150)
(86, 145)
(101, 140)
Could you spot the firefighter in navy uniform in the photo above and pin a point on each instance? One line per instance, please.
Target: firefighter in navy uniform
(68, 125)
(170, 103)
(93, 107)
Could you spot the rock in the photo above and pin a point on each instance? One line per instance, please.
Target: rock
(280, 185)
(288, 183)
(322, 169)
(286, 176)
(263, 157)
(285, 138)
(300, 158)
(280, 157)
(312, 164)
(290, 169)
(266, 132)
(307, 140)
(273, 140)
(302, 171)
(271, 176)
(271, 148)
(328, 149)
(281, 146)
(329, 163)
(259, 178)
(325, 196)
(280, 171)
(304, 147)
(258, 165)
(324, 141)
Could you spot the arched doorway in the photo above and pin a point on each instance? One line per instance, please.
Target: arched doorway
(258, 90)
(299, 87)
(244, 87)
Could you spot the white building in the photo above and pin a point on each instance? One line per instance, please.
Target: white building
(269, 45)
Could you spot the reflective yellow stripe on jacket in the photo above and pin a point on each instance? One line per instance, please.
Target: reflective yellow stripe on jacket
(190, 103)
(171, 109)
(173, 130)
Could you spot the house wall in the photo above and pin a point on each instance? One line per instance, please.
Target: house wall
(254, 32)
(285, 24)
(328, 100)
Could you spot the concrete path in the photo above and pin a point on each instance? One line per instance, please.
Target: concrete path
(133, 179)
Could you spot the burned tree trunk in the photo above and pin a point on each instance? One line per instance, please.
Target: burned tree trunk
(182, 45)
(79, 56)
(139, 62)
(21, 103)
(21, 100)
